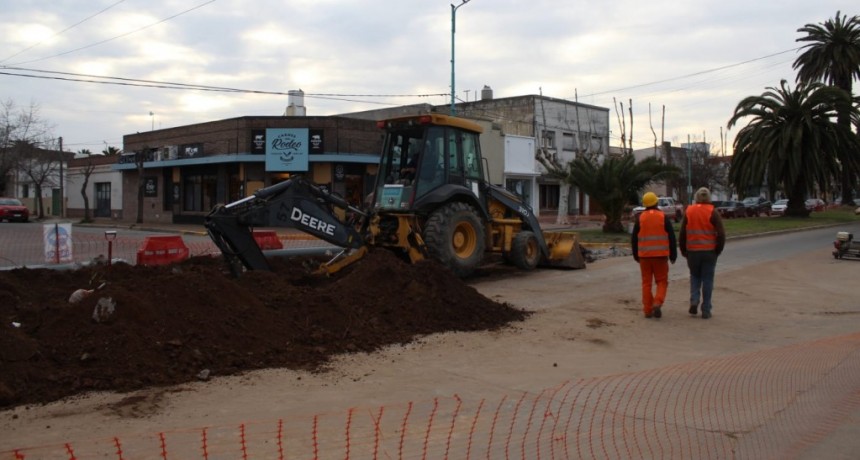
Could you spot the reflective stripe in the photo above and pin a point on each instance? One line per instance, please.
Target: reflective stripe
(652, 239)
(704, 235)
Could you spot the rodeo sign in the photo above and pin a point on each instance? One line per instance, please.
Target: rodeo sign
(287, 150)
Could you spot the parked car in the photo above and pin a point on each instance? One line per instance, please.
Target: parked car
(757, 206)
(674, 210)
(779, 207)
(730, 209)
(815, 204)
(12, 209)
(854, 202)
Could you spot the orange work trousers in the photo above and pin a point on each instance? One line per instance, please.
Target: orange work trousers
(653, 269)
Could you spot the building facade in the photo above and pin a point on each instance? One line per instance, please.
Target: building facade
(94, 175)
(562, 129)
(39, 179)
(187, 170)
(515, 128)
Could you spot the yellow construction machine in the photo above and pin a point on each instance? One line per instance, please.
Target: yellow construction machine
(431, 200)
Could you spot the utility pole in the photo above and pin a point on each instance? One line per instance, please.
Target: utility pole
(453, 30)
(62, 189)
(689, 170)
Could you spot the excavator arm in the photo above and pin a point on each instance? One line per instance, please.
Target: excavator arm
(294, 203)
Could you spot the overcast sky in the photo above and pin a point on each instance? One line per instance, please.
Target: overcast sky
(697, 59)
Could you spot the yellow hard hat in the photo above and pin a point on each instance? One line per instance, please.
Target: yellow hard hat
(649, 199)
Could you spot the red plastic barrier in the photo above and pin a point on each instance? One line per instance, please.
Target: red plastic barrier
(160, 250)
(267, 239)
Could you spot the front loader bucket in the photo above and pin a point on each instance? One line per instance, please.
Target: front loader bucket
(564, 250)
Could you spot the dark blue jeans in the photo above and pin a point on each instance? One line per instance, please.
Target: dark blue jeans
(702, 265)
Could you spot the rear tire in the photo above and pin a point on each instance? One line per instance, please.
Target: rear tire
(525, 251)
(454, 235)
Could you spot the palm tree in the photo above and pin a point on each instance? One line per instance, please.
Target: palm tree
(617, 182)
(792, 140)
(832, 56)
(111, 150)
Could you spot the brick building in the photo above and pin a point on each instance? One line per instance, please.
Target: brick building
(187, 170)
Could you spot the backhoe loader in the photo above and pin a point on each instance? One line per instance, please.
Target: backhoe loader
(431, 200)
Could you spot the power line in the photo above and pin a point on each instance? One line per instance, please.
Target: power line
(176, 85)
(694, 74)
(118, 36)
(62, 31)
(184, 86)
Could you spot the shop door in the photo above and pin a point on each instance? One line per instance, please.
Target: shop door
(102, 199)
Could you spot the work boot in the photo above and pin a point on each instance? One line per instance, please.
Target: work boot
(694, 309)
(657, 312)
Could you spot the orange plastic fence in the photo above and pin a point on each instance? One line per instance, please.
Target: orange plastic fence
(778, 403)
(160, 250)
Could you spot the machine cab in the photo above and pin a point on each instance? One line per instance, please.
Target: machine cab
(422, 154)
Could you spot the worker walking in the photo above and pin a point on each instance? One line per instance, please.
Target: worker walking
(653, 244)
(702, 239)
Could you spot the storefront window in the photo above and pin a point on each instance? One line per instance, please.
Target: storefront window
(199, 192)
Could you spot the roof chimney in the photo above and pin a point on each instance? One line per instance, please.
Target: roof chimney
(295, 103)
(487, 93)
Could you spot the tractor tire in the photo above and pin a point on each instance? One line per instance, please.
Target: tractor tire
(525, 251)
(454, 235)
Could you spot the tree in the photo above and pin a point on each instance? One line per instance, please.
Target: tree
(791, 140)
(832, 56)
(140, 157)
(86, 172)
(21, 130)
(626, 146)
(556, 167)
(40, 167)
(701, 170)
(111, 150)
(617, 182)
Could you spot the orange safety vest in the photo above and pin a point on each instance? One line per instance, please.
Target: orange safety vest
(652, 239)
(701, 234)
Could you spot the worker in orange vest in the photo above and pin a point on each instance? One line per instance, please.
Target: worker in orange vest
(653, 244)
(702, 239)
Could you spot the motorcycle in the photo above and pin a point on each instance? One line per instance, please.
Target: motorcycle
(845, 246)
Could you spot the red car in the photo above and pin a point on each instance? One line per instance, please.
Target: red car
(12, 209)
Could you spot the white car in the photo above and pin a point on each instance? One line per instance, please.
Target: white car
(668, 206)
(778, 207)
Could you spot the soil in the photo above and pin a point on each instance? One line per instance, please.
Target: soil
(193, 321)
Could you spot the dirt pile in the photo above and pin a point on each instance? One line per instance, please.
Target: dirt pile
(178, 323)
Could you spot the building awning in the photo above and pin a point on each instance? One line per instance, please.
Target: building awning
(358, 158)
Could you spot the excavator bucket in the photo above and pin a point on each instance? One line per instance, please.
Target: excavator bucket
(564, 250)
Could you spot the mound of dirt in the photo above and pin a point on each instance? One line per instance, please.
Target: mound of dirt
(165, 325)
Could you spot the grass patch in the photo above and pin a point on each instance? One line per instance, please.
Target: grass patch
(743, 226)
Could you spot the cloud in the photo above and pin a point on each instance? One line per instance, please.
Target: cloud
(683, 56)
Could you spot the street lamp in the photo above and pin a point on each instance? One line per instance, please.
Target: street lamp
(453, 29)
(152, 116)
(689, 170)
